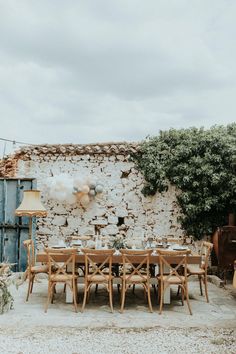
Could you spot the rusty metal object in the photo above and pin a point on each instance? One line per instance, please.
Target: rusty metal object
(224, 240)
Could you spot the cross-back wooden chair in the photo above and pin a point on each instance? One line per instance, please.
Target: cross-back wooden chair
(59, 260)
(135, 272)
(201, 271)
(32, 269)
(173, 276)
(98, 270)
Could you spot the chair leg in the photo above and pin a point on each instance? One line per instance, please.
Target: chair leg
(74, 290)
(26, 274)
(110, 290)
(118, 288)
(123, 290)
(53, 292)
(158, 292)
(50, 290)
(178, 291)
(133, 288)
(162, 296)
(88, 293)
(155, 289)
(187, 299)
(182, 295)
(149, 298)
(200, 283)
(29, 287)
(85, 297)
(32, 283)
(96, 289)
(206, 291)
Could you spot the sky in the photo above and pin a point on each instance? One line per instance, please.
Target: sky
(114, 70)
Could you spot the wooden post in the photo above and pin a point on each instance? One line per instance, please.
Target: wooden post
(231, 219)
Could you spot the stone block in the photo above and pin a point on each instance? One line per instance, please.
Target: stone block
(129, 221)
(86, 230)
(99, 221)
(59, 209)
(121, 212)
(45, 231)
(111, 229)
(100, 211)
(59, 220)
(139, 232)
(73, 222)
(112, 219)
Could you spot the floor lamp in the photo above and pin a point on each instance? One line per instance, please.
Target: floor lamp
(31, 206)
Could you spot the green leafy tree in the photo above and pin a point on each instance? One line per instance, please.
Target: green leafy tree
(202, 165)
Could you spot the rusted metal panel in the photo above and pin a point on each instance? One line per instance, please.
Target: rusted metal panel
(13, 230)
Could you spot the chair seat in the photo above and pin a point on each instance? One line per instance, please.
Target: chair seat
(99, 278)
(173, 279)
(62, 278)
(194, 269)
(39, 269)
(135, 278)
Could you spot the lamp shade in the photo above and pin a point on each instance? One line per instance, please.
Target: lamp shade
(31, 204)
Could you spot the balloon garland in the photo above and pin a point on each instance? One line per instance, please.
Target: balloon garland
(66, 189)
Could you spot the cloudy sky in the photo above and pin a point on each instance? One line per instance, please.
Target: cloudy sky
(114, 70)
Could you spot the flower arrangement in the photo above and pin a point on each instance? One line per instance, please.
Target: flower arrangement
(119, 241)
(6, 299)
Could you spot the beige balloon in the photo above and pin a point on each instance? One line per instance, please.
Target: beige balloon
(79, 195)
(84, 200)
(85, 189)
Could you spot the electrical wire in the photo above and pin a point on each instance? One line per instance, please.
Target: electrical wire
(15, 142)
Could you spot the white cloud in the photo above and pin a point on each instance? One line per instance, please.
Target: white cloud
(99, 71)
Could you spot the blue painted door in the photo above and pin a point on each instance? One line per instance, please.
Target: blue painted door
(13, 230)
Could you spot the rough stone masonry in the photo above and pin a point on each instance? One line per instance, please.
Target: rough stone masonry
(120, 208)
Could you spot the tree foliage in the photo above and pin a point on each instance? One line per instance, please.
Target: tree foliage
(202, 165)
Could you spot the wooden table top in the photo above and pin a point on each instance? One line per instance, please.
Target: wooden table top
(117, 259)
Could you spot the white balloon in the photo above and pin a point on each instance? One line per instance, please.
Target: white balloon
(61, 188)
(92, 192)
(99, 189)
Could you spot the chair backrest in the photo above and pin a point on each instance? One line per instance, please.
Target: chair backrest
(97, 262)
(29, 245)
(135, 260)
(206, 249)
(166, 259)
(58, 261)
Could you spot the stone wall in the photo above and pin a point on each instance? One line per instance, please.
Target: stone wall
(120, 208)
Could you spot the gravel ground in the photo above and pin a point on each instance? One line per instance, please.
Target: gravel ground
(28, 330)
(116, 340)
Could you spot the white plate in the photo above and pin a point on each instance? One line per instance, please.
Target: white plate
(180, 248)
(76, 243)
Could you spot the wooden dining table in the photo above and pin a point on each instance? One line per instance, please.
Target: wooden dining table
(117, 258)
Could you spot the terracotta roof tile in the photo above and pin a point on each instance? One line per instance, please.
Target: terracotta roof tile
(121, 148)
